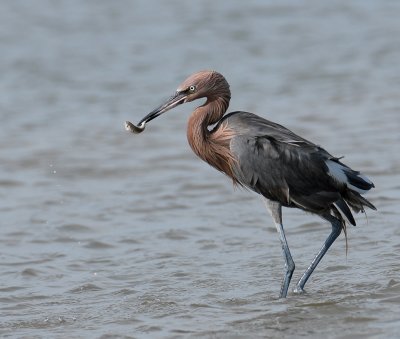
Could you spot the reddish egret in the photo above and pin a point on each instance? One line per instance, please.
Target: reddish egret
(269, 159)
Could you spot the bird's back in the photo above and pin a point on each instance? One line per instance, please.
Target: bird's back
(282, 166)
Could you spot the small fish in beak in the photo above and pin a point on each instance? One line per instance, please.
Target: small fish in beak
(133, 128)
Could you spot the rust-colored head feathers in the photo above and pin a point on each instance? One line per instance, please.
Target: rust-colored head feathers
(210, 84)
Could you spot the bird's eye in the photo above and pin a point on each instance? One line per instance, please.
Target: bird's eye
(192, 89)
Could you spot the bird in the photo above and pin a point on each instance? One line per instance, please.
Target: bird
(270, 160)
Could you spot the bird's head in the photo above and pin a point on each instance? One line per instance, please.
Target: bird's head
(202, 84)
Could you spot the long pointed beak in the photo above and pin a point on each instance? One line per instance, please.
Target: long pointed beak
(177, 99)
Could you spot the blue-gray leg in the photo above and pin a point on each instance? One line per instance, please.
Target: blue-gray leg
(275, 210)
(336, 229)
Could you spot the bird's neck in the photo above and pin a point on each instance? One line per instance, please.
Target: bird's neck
(209, 114)
(212, 147)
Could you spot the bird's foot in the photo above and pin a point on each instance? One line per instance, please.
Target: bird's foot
(298, 290)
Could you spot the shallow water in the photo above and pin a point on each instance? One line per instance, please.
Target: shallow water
(106, 234)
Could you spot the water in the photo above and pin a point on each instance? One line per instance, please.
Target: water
(105, 234)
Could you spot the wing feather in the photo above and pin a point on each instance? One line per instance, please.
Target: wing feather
(281, 165)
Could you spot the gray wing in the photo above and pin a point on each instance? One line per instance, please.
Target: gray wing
(280, 165)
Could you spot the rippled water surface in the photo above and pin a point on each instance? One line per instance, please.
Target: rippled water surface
(106, 234)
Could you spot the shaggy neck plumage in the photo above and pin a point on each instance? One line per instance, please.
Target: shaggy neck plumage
(212, 147)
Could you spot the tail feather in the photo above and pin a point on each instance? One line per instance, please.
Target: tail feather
(357, 181)
(342, 206)
(343, 174)
(357, 202)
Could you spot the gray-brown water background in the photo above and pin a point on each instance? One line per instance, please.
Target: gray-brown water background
(107, 234)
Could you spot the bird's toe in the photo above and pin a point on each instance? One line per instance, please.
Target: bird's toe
(298, 290)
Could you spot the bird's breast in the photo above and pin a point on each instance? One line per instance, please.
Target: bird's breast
(214, 147)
